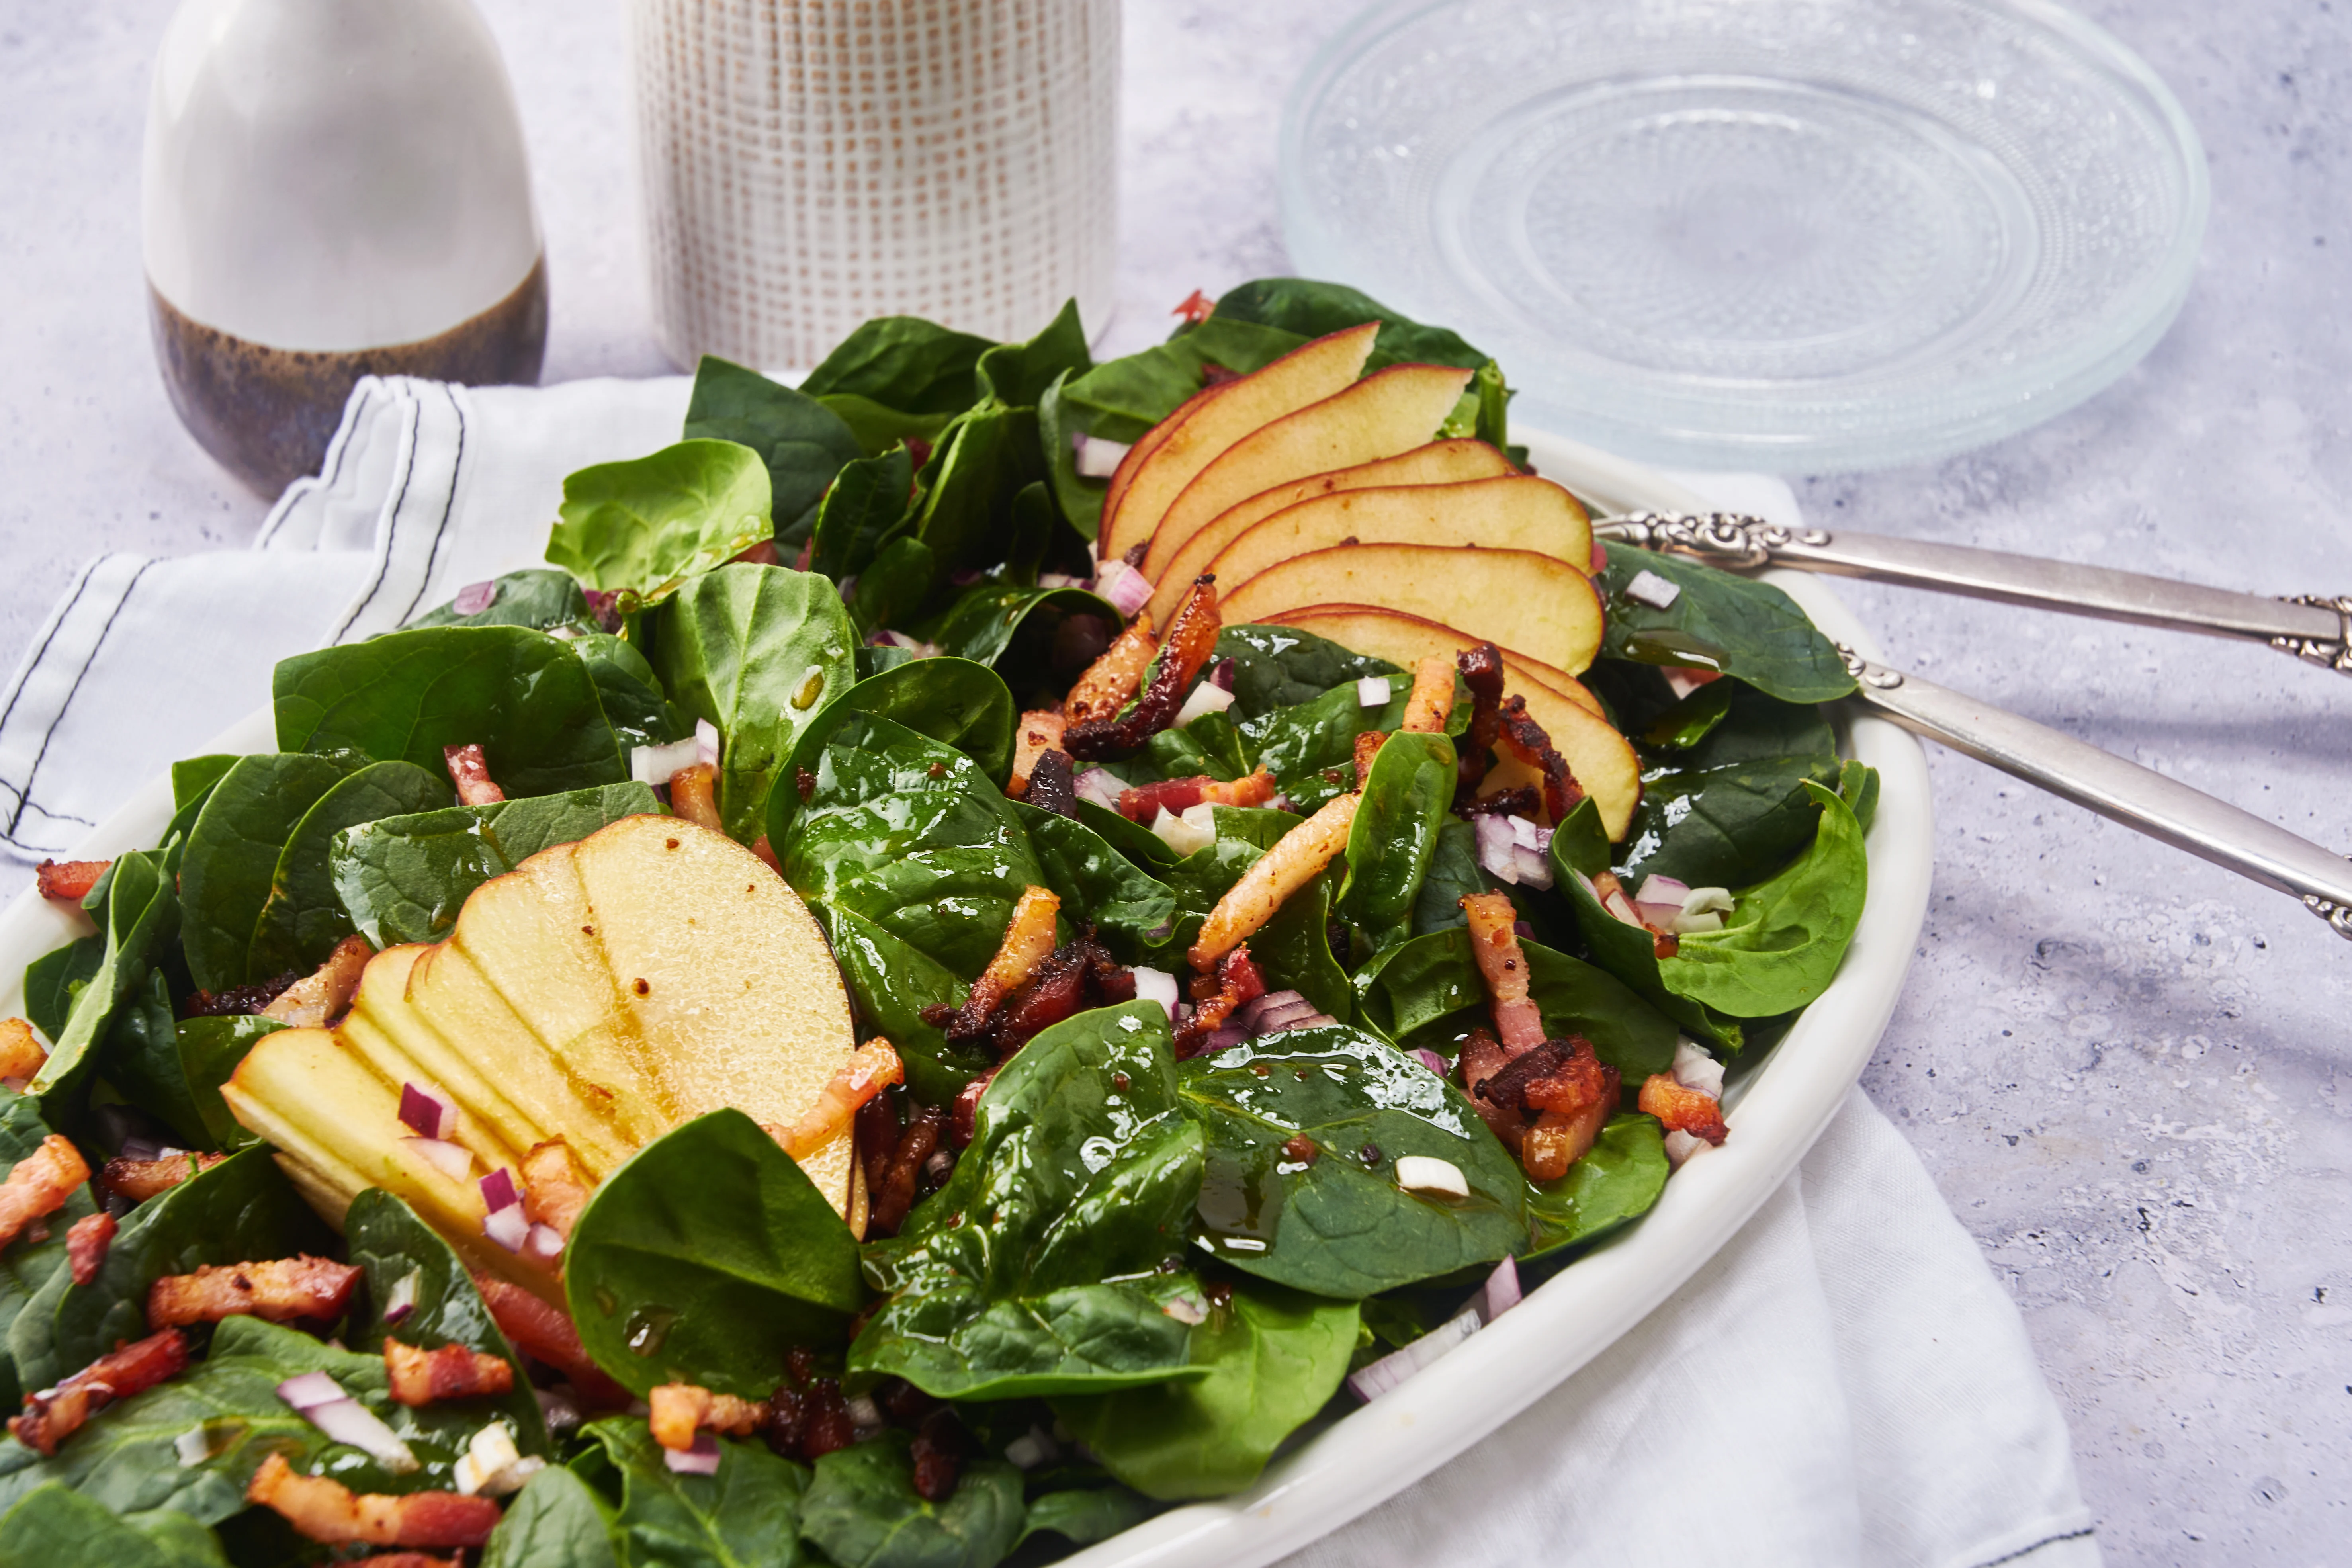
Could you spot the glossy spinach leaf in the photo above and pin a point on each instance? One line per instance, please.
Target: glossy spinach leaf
(705, 1258)
(525, 698)
(1730, 807)
(1084, 1515)
(863, 512)
(140, 919)
(892, 983)
(1315, 310)
(1408, 796)
(984, 459)
(952, 701)
(403, 878)
(1133, 912)
(1453, 874)
(1338, 1225)
(1132, 839)
(990, 615)
(1427, 993)
(229, 870)
(892, 589)
(1076, 497)
(1782, 942)
(903, 363)
(1310, 747)
(27, 1263)
(400, 1252)
(1018, 373)
(302, 919)
(757, 650)
(53, 980)
(802, 442)
(642, 527)
(53, 1525)
(1282, 666)
(745, 1515)
(630, 693)
(878, 429)
(141, 1061)
(1719, 621)
(1617, 1179)
(1292, 950)
(862, 1510)
(1580, 850)
(191, 787)
(210, 1050)
(1122, 399)
(557, 1521)
(534, 597)
(1275, 1358)
(1037, 1269)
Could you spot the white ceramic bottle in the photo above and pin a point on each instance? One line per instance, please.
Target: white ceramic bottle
(332, 189)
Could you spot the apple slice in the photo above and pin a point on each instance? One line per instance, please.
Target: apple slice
(1304, 375)
(1517, 513)
(1388, 411)
(1405, 640)
(1151, 441)
(1532, 605)
(1437, 463)
(1603, 761)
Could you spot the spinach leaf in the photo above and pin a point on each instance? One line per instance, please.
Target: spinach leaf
(1132, 910)
(1407, 801)
(985, 459)
(891, 591)
(191, 787)
(1314, 310)
(302, 920)
(210, 1050)
(802, 442)
(227, 874)
(141, 917)
(1454, 874)
(1310, 747)
(1018, 373)
(400, 1251)
(557, 1521)
(1084, 1515)
(629, 691)
(1281, 667)
(862, 1511)
(53, 980)
(54, 1525)
(1719, 621)
(1338, 1225)
(745, 1515)
(892, 983)
(756, 650)
(903, 363)
(403, 878)
(1275, 1358)
(27, 1263)
(862, 512)
(642, 527)
(1037, 1269)
(1618, 1178)
(952, 701)
(877, 428)
(525, 698)
(1730, 808)
(983, 623)
(1121, 399)
(1426, 994)
(1293, 950)
(1132, 839)
(1078, 498)
(1580, 850)
(534, 597)
(705, 1258)
(141, 1061)
(1782, 942)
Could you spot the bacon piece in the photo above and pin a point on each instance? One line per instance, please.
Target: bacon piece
(281, 1289)
(21, 1056)
(1112, 680)
(682, 1409)
(86, 1244)
(316, 1000)
(56, 1413)
(419, 1377)
(1028, 941)
(1523, 739)
(1038, 733)
(1052, 787)
(1214, 1001)
(1573, 1101)
(327, 1510)
(1522, 800)
(545, 1332)
(1482, 1058)
(238, 1001)
(1295, 859)
(554, 1189)
(1144, 802)
(966, 1111)
(1495, 942)
(871, 1069)
(1197, 308)
(39, 1185)
(70, 881)
(692, 797)
(1191, 642)
(1482, 671)
(1430, 701)
(1368, 746)
(1683, 1109)
(470, 771)
(140, 1180)
(1076, 976)
(894, 1193)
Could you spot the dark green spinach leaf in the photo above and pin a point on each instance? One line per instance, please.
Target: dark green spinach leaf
(1730, 808)
(892, 983)
(952, 701)
(141, 918)
(642, 527)
(630, 692)
(1407, 801)
(1781, 944)
(1618, 1178)
(983, 623)
(862, 1510)
(892, 589)
(746, 1515)
(1744, 628)
(1018, 373)
(557, 1521)
(53, 980)
(228, 872)
(985, 459)
(534, 597)
(1426, 994)
(54, 1525)
(27, 1263)
(802, 442)
(903, 363)
(1281, 667)
(302, 919)
(1084, 1515)
(863, 512)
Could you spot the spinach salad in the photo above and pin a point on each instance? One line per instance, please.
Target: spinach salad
(1205, 1021)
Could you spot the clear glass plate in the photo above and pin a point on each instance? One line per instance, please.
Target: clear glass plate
(1792, 234)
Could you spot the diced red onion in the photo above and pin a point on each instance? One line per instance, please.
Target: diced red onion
(452, 1160)
(1502, 1291)
(543, 1242)
(848, 587)
(1097, 459)
(659, 765)
(1206, 698)
(1523, 929)
(1296, 1014)
(507, 1226)
(498, 1190)
(557, 1410)
(1682, 1145)
(1063, 580)
(1496, 852)
(1156, 985)
(965, 576)
(1390, 1371)
(1662, 891)
(1432, 1061)
(137, 1147)
(324, 1404)
(1250, 1011)
(1127, 589)
(428, 1111)
(1533, 866)
(474, 598)
(1372, 691)
(1661, 917)
(1223, 1039)
(1682, 682)
(1600, 558)
(1100, 785)
(1653, 590)
(310, 1390)
(1221, 674)
(702, 1459)
(706, 742)
(401, 1300)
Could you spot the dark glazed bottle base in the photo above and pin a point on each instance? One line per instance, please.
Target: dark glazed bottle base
(267, 414)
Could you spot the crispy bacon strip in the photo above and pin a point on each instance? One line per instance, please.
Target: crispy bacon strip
(419, 1377)
(327, 1510)
(1076, 976)
(39, 1185)
(1191, 642)
(316, 1000)
(140, 1180)
(21, 1056)
(693, 797)
(1482, 1058)
(1214, 1000)
(1144, 802)
(54, 1415)
(1523, 738)
(554, 1189)
(1683, 1109)
(1052, 787)
(965, 1113)
(1495, 944)
(1295, 859)
(871, 1069)
(70, 881)
(1028, 941)
(1368, 746)
(682, 1409)
(1431, 697)
(279, 1289)
(86, 1244)
(894, 1194)
(1482, 671)
(1039, 732)
(1573, 1103)
(470, 771)
(238, 1001)
(1113, 679)
(544, 1332)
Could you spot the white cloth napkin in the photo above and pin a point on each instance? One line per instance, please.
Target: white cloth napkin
(1845, 1384)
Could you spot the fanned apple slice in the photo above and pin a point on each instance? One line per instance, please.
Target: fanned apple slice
(1521, 512)
(1388, 411)
(1603, 761)
(1435, 463)
(1304, 375)
(1405, 640)
(1530, 603)
(1151, 441)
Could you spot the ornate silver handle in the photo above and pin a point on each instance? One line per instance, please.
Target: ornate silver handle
(2136, 796)
(2310, 627)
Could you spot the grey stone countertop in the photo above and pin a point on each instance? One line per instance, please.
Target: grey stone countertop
(2126, 1069)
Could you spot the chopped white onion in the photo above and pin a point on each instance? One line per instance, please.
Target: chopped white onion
(401, 1300)
(1701, 901)
(310, 1390)
(1097, 459)
(1427, 1174)
(659, 765)
(487, 1461)
(543, 1242)
(1662, 891)
(1532, 865)
(1697, 925)
(1127, 589)
(1207, 698)
(452, 1160)
(1156, 985)
(197, 1444)
(1501, 853)
(1694, 1069)
(1063, 580)
(1193, 832)
(1662, 917)
(1372, 691)
(322, 1403)
(702, 1459)
(865, 1416)
(426, 1110)
(1683, 682)
(508, 1227)
(1370, 1382)
(1682, 1145)
(1653, 590)
(1502, 1291)
(1100, 786)
(1190, 1310)
(1032, 1449)
(706, 742)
